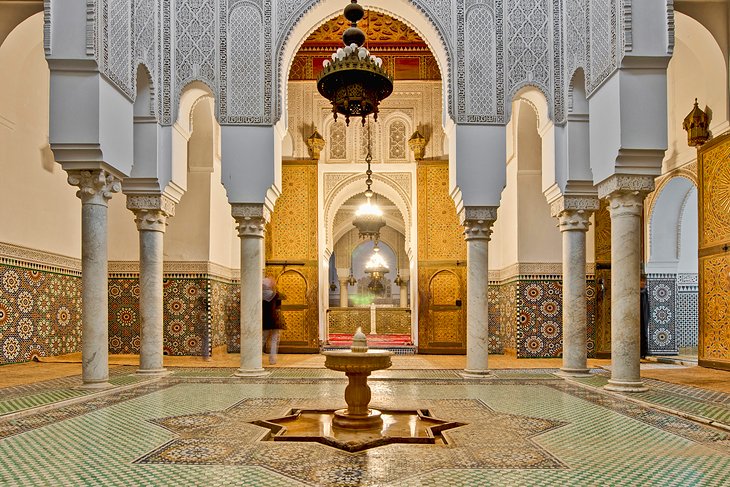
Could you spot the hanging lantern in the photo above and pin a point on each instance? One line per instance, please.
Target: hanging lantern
(315, 143)
(417, 143)
(697, 125)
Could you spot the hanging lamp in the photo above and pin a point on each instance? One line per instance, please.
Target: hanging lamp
(368, 217)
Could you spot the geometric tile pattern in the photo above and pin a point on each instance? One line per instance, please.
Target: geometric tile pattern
(603, 439)
(662, 336)
(195, 315)
(227, 438)
(687, 316)
(40, 314)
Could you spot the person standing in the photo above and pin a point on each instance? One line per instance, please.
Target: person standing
(271, 319)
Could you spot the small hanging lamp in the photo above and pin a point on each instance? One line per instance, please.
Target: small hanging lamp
(697, 125)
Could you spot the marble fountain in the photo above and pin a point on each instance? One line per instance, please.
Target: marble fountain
(358, 426)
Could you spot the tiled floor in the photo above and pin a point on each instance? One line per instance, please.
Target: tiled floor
(524, 427)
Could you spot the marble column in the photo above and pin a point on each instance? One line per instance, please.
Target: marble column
(574, 215)
(343, 292)
(151, 212)
(250, 219)
(625, 195)
(96, 187)
(404, 295)
(477, 222)
(343, 275)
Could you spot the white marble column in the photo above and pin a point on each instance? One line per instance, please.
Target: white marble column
(95, 190)
(404, 295)
(343, 275)
(477, 222)
(574, 215)
(250, 219)
(151, 212)
(626, 196)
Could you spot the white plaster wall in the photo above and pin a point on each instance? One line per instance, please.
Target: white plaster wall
(123, 234)
(688, 239)
(38, 208)
(224, 241)
(187, 235)
(697, 70)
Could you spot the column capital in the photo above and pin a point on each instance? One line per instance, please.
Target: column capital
(96, 186)
(584, 203)
(250, 219)
(151, 211)
(626, 183)
(477, 221)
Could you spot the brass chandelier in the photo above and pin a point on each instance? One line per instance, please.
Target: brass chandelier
(354, 81)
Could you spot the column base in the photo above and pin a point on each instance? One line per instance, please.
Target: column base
(476, 374)
(96, 385)
(625, 386)
(252, 372)
(565, 372)
(153, 372)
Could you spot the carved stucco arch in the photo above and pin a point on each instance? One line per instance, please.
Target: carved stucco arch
(353, 186)
(313, 13)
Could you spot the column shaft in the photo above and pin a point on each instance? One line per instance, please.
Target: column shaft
(151, 301)
(95, 190)
(95, 296)
(404, 296)
(251, 231)
(626, 210)
(477, 231)
(343, 293)
(574, 226)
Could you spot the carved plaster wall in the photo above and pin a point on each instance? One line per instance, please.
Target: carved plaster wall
(489, 48)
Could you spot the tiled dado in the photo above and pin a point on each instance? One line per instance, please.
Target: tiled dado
(673, 310)
(40, 311)
(531, 316)
(197, 312)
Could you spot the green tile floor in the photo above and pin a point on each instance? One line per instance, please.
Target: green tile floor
(597, 440)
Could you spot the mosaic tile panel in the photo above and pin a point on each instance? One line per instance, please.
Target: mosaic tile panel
(686, 323)
(496, 337)
(225, 310)
(539, 323)
(40, 314)
(662, 336)
(186, 321)
(508, 315)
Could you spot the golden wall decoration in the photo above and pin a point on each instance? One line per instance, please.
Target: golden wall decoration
(714, 252)
(393, 321)
(348, 320)
(602, 247)
(441, 264)
(291, 237)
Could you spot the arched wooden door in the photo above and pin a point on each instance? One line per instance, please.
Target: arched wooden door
(301, 322)
(442, 324)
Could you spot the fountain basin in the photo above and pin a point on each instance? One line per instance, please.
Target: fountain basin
(357, 366)
(397, 426)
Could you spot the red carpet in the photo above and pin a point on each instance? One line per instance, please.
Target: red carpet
(345, 340)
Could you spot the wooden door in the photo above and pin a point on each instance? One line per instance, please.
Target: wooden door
(442, 327)
(301, 331)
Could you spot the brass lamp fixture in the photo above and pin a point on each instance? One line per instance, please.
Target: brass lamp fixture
(354, 81)
(315, 143)
(697, 125)
(417, 143)
(351, 280)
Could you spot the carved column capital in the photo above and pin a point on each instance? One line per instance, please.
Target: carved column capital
(151, 211)
(574, 211)
(575, 220)
(96, 186)
(477, 222)
(250, 219)
(626, 194)
(586, 203)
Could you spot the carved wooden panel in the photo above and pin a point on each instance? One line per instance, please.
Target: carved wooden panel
(714, 252)
(603, 313)
(441, 258)
(439, 231)
(291, 236)
(603, 233)
(347, 320)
